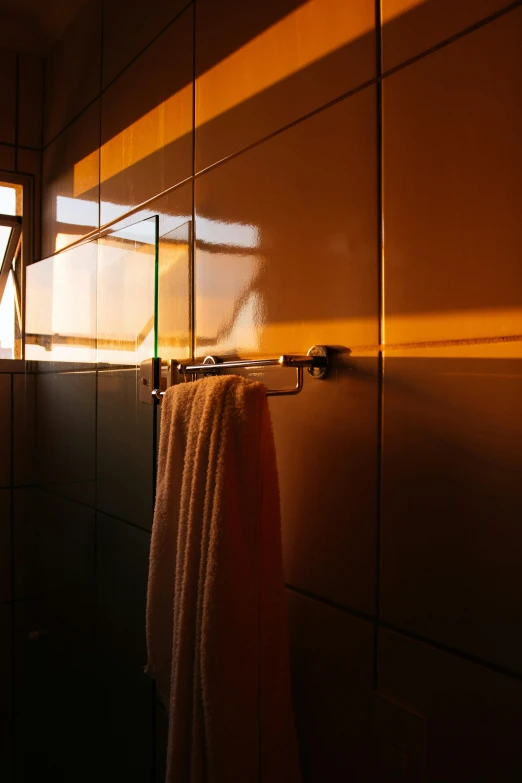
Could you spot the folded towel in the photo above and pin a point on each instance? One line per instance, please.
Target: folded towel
(216, 620)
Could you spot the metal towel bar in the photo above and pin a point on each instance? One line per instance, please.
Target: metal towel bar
(315, 361)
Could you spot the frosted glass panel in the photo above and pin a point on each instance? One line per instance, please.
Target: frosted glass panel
(126, 294)
(61, 306)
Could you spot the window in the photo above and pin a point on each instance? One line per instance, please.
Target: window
(11, 199)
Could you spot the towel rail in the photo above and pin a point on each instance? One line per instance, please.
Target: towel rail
(315, 361)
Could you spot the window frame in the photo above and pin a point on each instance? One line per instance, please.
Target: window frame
(28, 254)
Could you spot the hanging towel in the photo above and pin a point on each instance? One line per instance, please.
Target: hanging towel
(216, 619)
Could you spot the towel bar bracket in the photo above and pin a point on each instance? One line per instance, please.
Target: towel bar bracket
(319, 368)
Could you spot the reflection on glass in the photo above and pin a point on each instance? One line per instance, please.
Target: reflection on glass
(174, 294)
(61, 306)
(229, 303)
(126, 293)
(95, 301)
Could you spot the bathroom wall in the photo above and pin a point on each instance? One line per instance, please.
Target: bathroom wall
(21, 101)
(17, 589)
(353, 173)
(20, 154)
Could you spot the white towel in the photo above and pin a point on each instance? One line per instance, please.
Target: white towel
(216, 620)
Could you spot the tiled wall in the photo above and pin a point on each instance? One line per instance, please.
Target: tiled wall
(353, 170)
(17, 584)
(21, 96)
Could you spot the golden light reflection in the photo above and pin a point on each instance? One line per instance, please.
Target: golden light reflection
(303, 37)
(125, 297)
(391, 10)
(174, 294)
(465, 324)
(63, 240)
(86, 173)
(161, 126)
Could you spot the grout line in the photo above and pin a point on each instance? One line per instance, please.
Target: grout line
(332, 604)
(283, 128)
(380, 294)
(145, 530)
(98, 233)
(111, 82)
(148, 46)
(512, 338)
(46, 488)
(20, 146)
(94, 234)
(408, 634)
(475, 659)
(26, 147)
(461, 34)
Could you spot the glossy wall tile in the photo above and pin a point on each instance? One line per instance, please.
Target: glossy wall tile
(5, 429)
(472, 714)
(273, 65)
(410, 27)
(73, 70)
(284, 212)
(332, 673)
(452, 199)
(65, 569)
(70, 182)
(8, 96)
(125, 456)
(452, 459)
(26, 508)
(122, 566)
(30, 96)
(66, 433)
(286, 241)
(129, 28)
(147, 123)
(7, 157)
(5, 545)
(326, 441)
(24, 428)
(5, 691)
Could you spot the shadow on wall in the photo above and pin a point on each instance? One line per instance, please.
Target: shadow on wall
(147, 142)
